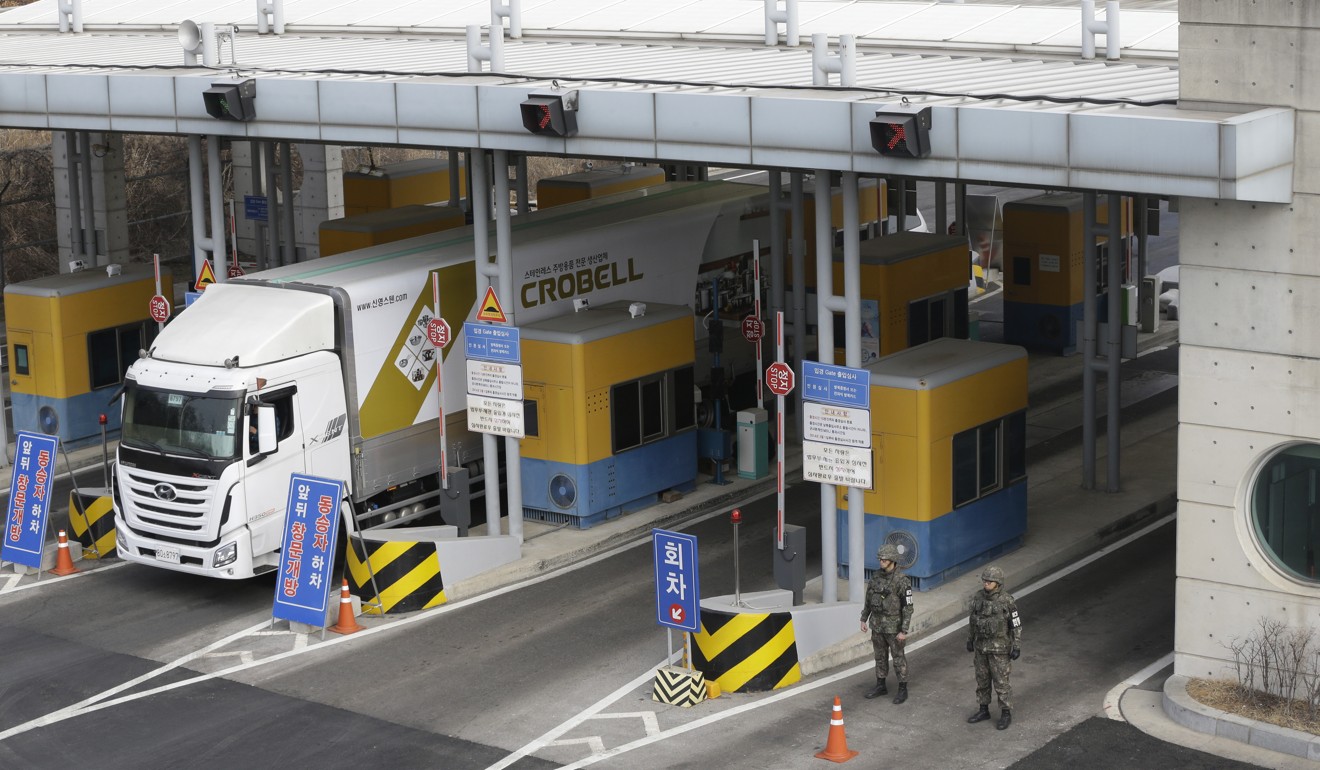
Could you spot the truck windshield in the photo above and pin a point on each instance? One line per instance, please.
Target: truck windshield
(181, 423)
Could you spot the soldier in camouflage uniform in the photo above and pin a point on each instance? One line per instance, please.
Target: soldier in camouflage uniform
(888, 606)
(994, 634)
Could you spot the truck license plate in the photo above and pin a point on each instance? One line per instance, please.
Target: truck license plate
(168, 555)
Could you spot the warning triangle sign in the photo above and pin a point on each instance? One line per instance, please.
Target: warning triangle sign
(206, 278)
(490, 308)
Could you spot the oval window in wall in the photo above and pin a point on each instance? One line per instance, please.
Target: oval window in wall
(1285, 510)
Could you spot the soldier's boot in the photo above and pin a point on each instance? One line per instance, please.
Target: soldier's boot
(902, 693)
(979, 716)
(1005, 719)
(877, 691)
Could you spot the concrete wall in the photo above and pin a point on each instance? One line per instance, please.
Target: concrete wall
(1249, 329)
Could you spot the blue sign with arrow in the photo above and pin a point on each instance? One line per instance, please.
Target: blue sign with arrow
(677, 588)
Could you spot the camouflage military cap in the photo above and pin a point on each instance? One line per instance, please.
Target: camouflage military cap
(888, 552)
(992, 575)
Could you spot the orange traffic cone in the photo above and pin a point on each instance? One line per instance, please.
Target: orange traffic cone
(347, 623)
(64, 562)
(836, 746)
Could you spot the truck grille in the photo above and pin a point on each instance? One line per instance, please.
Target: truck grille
(168, 505)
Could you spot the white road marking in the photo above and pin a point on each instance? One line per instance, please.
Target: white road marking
(593, 742)
(801, 689)
(1110, 707)
(47, 580)
(99, 701)
(244, 656)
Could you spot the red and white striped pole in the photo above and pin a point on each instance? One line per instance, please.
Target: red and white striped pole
(440, 388)
(779, 436)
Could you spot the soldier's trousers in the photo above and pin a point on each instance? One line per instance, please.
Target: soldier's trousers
(886, 645)
(993, 669)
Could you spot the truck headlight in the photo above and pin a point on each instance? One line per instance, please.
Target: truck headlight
(225, 554)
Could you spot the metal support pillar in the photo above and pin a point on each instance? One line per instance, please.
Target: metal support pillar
(88, 198)
(272, 204)
(1089, 317)
(799, 256)
(505, 290)
(827, 304)
(219, 255)
(941, 206)
(520, 185)
(74, 191)
(487, 275)
(286, 207)
(852, 335)
(1114, 349)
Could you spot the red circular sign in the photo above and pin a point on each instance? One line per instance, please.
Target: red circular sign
(437, 331)
(235, 270)
(677, 613)
(779, 378)
(752, 328)
(159, 308)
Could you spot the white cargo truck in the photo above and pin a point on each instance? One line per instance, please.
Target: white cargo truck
(324, 368)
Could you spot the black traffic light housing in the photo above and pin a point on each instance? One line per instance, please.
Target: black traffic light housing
(902, 132)
(551, 114)
(232, 101)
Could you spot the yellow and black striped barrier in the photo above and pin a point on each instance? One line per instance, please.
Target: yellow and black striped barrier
(678, 686)
(92, 519)
(746, 651)
(406, 573)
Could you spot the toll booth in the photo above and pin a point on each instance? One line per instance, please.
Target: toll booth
(948, 431)
(386, 226)
(609, 411)
(914, 289)
(421, 181)
(596, 183)
(1044, 279)
(71, 337)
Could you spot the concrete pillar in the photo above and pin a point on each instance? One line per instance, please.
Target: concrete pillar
(109, 200)
(245, 166)
(321, 196)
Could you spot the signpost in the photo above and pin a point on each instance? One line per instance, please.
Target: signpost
(779, 376)
(160, 322)
(437, 331)
(836, 427)
(159, 307)
(677, 590)
(308, 554)
(494, 374)
(29, 499)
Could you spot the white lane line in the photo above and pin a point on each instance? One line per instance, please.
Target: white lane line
(859, 668)
(97, 702)
(1110, 707)
(87, 704)
(10, 588)
(648, 719)
(593, 742)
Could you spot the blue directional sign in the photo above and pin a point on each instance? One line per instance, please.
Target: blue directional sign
(256, 208)
(493, 343)
(677, 589)
(838, 385)
(311, 523)
(29, 499)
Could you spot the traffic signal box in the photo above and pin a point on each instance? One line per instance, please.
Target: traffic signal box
(1043, 269)
(586, 185)
(386, 226)
(421, 181)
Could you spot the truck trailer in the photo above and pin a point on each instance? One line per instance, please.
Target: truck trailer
(324, 368)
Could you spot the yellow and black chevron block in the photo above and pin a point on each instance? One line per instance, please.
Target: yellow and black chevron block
(92, 519)
(678, 686)
(406, 573)
(745, 651)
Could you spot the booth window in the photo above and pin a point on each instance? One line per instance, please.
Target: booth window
(652, 408)
(988, 457)
(21, 359)
(936, 316)
(531, 420)
(111, 351)
(1285, 511)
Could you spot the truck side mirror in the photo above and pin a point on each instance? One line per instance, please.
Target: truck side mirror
(266, 438)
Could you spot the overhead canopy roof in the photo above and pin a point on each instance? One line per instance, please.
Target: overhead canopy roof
(677, 80)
